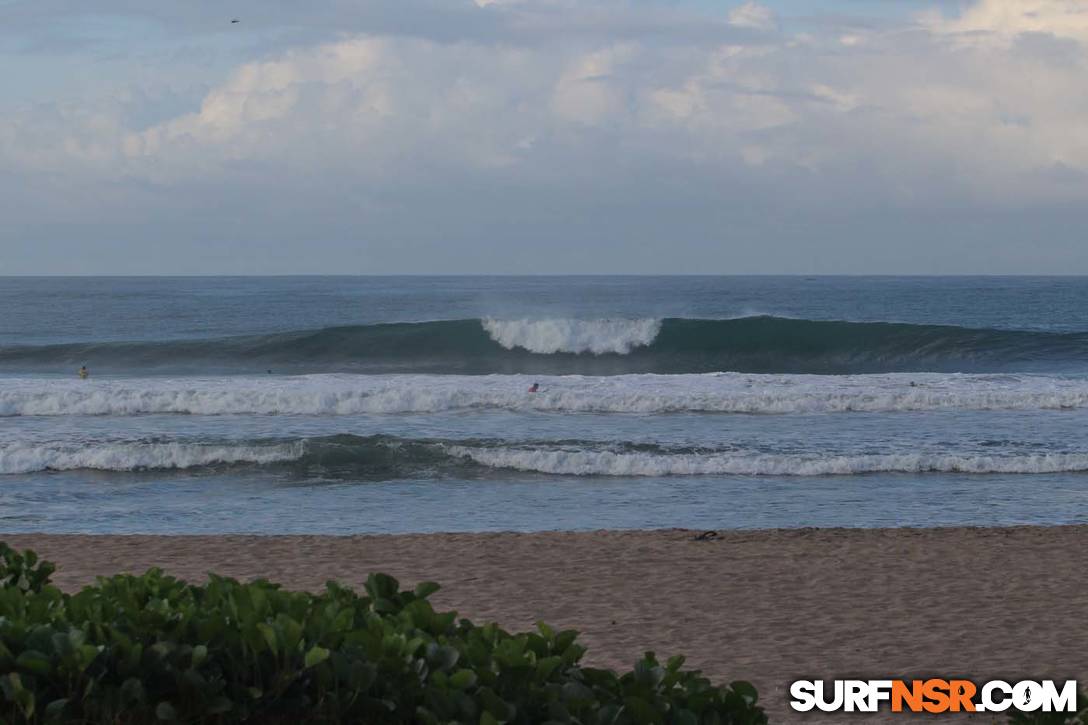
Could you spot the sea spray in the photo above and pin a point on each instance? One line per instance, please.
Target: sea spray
(598, 337)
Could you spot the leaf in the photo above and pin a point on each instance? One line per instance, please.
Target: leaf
(426, 589)
(11, 684)
(746, 690)
(444, 657)
(500, 708)
(87, 654)
(26, 701)
(382, 586)
(462, 679)
(315, 656)
(565, 639)
(56, 708)
(648, 672)
(292, 633)
(641, 712)
(34, 662)
(546, 666)
(270, 637)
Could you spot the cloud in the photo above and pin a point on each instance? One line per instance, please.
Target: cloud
(591, 122)
(587, 90)
(1004, 19)
(817, 104)
(752, 15)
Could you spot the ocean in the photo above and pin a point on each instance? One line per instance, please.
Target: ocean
(401, 404)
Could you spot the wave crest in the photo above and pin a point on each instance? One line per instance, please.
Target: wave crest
(547, 337)
(25, 458)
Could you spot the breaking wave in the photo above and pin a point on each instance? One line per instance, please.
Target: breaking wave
(612, 463)
(339, 394)
(385, 458)
(596, 347)
(598, 337)
(26, 458)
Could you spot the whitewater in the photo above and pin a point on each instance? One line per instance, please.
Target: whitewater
(548, 337)
(339, 394)
(443, 458)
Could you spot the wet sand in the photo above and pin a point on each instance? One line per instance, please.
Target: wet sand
(766, 606)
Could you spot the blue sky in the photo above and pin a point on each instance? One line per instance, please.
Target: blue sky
(520, 136)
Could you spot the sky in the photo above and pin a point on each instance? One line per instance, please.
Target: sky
(544, 136)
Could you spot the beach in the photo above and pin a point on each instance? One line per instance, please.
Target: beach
(766, 606)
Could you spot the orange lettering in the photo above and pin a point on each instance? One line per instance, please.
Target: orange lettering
(936, 694)
(912, 696)
(962, 692)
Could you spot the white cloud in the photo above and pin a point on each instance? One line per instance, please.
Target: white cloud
(984, 107)
(589, 90)
(752, 15)
(1004, 19)
(900, 103)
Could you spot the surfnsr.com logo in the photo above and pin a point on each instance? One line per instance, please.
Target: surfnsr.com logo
(933, 696)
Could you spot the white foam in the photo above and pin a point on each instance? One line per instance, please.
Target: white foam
(330, 395)
(577, 336)
(564, 461)
(23, 458)
(573, 462)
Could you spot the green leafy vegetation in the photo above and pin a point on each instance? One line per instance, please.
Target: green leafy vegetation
(151, 648)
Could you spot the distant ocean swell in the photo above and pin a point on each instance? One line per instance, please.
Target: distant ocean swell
(595, 347)
(343, 394)
(384, 457)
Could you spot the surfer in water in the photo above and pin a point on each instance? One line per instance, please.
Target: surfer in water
(83, 374)
(535, 387)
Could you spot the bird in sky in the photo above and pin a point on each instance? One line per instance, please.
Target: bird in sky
(236, 20)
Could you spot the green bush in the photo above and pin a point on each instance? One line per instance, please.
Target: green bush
(136, 649)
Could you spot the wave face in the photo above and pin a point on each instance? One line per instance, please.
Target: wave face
(339, 395)
(592, 347)
(386, 457)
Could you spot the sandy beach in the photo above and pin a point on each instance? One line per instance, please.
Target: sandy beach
(766, 606)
